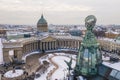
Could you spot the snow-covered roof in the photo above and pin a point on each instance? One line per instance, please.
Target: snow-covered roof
(112, 32)
(111, 40)
(68, 37)
(113, 65)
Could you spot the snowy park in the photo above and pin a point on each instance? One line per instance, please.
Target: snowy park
(13, 73)
(59, 67)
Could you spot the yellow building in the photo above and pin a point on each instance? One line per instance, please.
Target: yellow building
(111, 35)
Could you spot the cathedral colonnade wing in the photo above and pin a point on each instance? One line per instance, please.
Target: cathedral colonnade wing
(30, 45)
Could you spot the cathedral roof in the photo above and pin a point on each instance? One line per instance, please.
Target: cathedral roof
(42, 20)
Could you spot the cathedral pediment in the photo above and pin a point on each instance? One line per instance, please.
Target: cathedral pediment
(48, 39)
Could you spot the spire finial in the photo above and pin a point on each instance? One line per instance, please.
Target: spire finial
(42, 16)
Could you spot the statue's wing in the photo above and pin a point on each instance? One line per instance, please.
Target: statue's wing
(71, 60)
(66, 62)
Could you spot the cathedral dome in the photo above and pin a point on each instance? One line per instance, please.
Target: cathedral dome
(42, 25)
(42, 21)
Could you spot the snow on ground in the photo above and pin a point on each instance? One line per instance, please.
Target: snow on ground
(43, 76)
(66, 54)
(62, 70)
(59, 54)
(10, 73)
(59, 60)
(50, 55)
(113, 65)
(45, 58)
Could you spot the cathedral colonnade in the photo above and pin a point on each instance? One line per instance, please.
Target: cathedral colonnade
(50, 45)
(26, 47)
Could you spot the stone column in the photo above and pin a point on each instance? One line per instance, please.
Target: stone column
(6, 56)
(65, 44)
(50, 45)
(26, 48)
(34, 46)
(47, 45)
(75, 44)
(59, 44)
(55, 44)
(62, 43)
(30, 47)
(69, 44)
(40, 44)
(19, 54)
(72, 44)
(43, 45)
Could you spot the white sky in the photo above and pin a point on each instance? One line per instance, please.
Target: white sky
(59, 11)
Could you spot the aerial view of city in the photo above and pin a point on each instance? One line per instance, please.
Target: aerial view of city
(59, 40)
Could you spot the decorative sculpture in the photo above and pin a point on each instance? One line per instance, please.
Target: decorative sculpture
(69, 64)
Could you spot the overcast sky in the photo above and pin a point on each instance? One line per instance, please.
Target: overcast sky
(59, 11)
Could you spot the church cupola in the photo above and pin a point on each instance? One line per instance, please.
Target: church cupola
(42, 25)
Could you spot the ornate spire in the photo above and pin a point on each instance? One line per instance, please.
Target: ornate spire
(42, 17)
(89, 56)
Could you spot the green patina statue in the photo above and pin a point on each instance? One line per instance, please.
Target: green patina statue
(89, 56)
(69, 64)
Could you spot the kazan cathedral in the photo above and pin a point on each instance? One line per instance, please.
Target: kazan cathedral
(89, 62)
